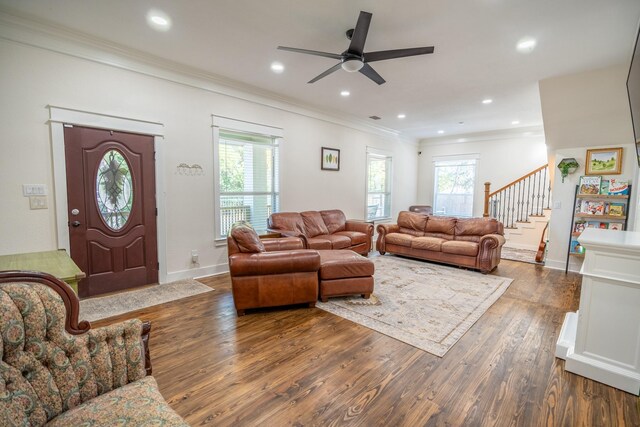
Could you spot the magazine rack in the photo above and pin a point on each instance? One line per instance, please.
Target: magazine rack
(596, 211)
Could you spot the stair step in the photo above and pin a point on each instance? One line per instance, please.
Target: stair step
(524, 222)
(538, 216)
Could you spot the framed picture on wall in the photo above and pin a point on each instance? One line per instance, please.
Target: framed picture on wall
(604, 161)
(330, 159)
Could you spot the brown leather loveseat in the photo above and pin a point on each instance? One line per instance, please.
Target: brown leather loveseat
(467, 242)
(270, 272)
(328, 229)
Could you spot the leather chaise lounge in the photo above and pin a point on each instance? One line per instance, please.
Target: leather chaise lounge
(323, 230)
(467, 242)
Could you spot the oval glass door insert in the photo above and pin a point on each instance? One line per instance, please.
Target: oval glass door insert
(114, 190)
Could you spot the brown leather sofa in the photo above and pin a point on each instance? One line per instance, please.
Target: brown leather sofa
(467, 242)
(270, 272)
(328, 229)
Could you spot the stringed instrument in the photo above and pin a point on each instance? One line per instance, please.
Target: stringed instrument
(542, 246)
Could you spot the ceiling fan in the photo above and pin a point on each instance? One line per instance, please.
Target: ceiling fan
(354, 58)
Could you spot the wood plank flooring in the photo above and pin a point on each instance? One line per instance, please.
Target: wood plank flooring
(306, 367)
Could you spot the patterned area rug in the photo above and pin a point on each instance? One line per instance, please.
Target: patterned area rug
(102, 307)
(426, 305)
(522, 255)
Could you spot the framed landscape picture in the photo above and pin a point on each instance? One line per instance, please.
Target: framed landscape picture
(604, 161)
(330, 159)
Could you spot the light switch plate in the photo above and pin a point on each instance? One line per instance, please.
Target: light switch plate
(38, 202)
(34, 190)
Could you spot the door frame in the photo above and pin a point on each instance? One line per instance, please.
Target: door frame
(58, 117)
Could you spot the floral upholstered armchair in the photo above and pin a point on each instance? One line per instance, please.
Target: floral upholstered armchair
(58, 372)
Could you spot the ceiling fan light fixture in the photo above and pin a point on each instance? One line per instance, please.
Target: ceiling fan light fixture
(352, 65)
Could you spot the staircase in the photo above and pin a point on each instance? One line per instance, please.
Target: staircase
(523, 206)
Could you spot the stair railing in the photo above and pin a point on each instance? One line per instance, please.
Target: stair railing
(527, 196)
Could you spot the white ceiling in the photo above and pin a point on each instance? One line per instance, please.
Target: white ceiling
(475, 55)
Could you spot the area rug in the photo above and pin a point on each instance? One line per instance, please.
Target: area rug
(522, 255)
(102, 307)
(426, 305)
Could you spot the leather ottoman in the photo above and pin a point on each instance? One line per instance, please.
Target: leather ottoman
(344, 272)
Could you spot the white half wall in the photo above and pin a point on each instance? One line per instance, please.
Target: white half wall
(504, 156)
(32, 78)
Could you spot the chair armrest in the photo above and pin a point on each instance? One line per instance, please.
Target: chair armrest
(267, 263)
(144, 335)
(283, 244)
(291, 233)
(360, 226)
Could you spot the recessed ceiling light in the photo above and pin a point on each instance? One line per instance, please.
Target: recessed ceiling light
(277, 67)
(460, 123)
(515, 122)
(526, 45)
(345, 93)
(440, 132)
(487, 101)
(402, 116)
(158, 20)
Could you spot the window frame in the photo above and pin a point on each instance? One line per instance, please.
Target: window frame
(455, 158)
(388, 156)
(238, 126)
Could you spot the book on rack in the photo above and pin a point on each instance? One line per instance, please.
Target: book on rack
(591, 207)
(589, 185)
(616, 209)
(618, 187)
(616, 226)
(604, 186)
(576, 247)
(596, 224)
(579, 226)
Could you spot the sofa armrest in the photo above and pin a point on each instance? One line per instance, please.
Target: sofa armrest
(283, 244)
(383, 230)
(491, 241)
(489, 252)
(291, 233)
(359, 226)
(267, 263)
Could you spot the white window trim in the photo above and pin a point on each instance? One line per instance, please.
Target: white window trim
(58, 117)
(241, 126)
(453, 158)
(381, 153)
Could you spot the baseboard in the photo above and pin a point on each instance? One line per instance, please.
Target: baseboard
(559, 265)
(195, 273)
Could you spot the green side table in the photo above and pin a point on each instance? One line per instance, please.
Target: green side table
(57, 263)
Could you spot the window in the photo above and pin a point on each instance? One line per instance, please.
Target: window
(378, 185)
(247, 181)
(453, 190)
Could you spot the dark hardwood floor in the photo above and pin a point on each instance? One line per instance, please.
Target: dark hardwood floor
(303, 366)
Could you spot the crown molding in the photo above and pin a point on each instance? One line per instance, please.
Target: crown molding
(525, 132)
(27, 30)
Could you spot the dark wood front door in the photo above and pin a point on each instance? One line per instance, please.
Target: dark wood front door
(111, 208)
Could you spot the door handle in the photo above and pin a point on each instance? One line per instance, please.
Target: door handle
(75, 223)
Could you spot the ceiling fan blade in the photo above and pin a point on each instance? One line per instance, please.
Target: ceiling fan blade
(326, 73)
(311, 52)
(396, 53)
(360, 33)
(372, 74)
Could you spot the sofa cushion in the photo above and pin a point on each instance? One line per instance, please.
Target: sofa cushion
(313, 223)
(412, 223)
(428, 243)
(356, 237)
(399, 239)
(318, 243)
(344, 264)
(458, 247)
(334, 220)
(337, 241)
(246, 238)
(138, 403)
(472, 229)
(440, 226)
(291, 221)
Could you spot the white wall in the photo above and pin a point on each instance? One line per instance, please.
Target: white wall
(581, 111)
(32, 78)
(504, 157)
